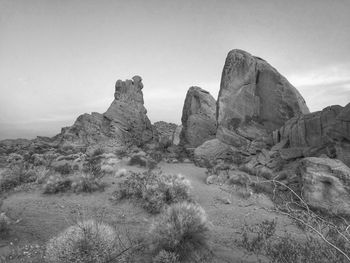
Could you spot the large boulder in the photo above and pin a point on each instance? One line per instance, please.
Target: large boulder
(124, 123)
(210, 151)
(198, 118)
(325, 184)
(323, 132)
(254, 98)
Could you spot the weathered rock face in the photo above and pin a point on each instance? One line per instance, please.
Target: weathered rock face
(323, 132)
(210, 151)
(125, 121)
(176, 135)
(326, 184)
(128, 113)
(255, 96)
(88, 130)
(164, 132)
(198, 118)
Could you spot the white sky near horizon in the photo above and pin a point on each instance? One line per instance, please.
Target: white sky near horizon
(60, 58)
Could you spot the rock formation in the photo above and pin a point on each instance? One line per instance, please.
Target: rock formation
(127, 112)
(198, 118)
(164, 132)
(212, 150)
(325, 184)
(125, 122)
(176, 135)
(254, 99)
(323, 132)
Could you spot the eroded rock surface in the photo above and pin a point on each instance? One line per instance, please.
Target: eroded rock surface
(255, 96)
(164, 132)
(198, 118)
(323, 132)
(325, 184)
(210, 151)
(125, 122)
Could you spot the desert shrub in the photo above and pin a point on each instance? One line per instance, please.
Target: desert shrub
(107, 169)
(182, 229)
(157, 156)
(4, 222)
(14, 176)
(56, 183)
(121, 153)
(93, 165)
(262, 240)
(87, 241)
(80, 182)
(121, 172)
(97, 152)
(256, 238)
(139, 160)
(8, 181)
(64, 169)
(4, 225)
(155, 189)
(166, 257)
(86, 183)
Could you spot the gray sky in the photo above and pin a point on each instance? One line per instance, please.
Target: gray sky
(60, 58)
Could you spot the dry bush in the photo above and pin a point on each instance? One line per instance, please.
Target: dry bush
(4, 221)
(327, 237)
(139, 160)
(56, 183)
(93, 163)
(86, 183)
(262, 240)
(42, 173)
(155, 189)
(87, 241)
(13, 176)
(121, 172)
(64, 169)
(80, 182)
(183, 230)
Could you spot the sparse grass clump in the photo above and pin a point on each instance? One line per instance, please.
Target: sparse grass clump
(87, 241)
(155, 189)
(77, 183)
(181, 231)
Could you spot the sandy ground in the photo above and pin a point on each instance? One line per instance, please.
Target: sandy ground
(43, 216)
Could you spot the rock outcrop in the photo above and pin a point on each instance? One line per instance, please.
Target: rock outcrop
(254, 99)
(125, 122)
(127, 112)
(164, 132)
(323, 132)
(212, 150)
(325, 184)
(176, 135)
(198, 118)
